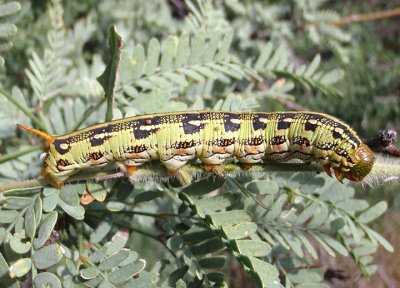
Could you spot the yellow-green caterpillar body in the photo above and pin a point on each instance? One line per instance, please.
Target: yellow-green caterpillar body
(211, 136)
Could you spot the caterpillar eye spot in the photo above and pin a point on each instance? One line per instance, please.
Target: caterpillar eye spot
(64, 146)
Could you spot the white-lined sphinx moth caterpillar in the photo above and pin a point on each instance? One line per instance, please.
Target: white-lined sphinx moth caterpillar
(211, 136)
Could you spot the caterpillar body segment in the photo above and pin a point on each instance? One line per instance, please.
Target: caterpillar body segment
(211, 136)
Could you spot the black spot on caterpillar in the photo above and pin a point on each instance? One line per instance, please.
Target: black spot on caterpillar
(211, 136)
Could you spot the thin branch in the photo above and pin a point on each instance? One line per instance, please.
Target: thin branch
(13, 155)
(367, 17)
(157, 172)
(384, 142)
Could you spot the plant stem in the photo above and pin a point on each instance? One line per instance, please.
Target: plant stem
(134, 212)
(367, 17)
(24, 110)
(13, 155)
(156, 171)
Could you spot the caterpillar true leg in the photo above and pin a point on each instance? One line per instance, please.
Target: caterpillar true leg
(327, 169)
(214, 168)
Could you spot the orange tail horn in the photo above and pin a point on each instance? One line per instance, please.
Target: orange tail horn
(47, 137)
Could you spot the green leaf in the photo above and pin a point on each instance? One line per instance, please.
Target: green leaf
(144, 280)
(76, 212)
(204, 186)
(320, 215)
(18, 246)
(262, 187)
(276, 208)
(183, 51)
(20, 268)
(8, 216)
(2, 234)
(45, 229)
(16, 203)
(9, 8)
(229, 217)
(89, 273)
(46, 279)
(109, 76)
(240, 230)
(47, 191)
(223, 51)
(208, 246)
(176, 275)
(351, 205)
(323, 244)
(253, 248)
(335, 244)
(312, 68)
(367, 249)
(101, 231)
(138, 61)
(373, 212)
(30, 222)
(69, 193)
(214, 262)
(114, 260)
(126, 272)
(305, 214)
(148, 196)
(196, 53)
(115, 206)
(118, 242)
(168, 53)
(196, 233)
(7, 30)
(292, 241)
(219, 202)
(47, 256)
(50, 202)
(217, 277)
(306, 275)
(97, 191)
(267, 274)
(153, 55)
(307, 244)
(381, 240)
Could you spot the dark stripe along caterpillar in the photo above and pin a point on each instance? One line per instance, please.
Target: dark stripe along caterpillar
(212, 136)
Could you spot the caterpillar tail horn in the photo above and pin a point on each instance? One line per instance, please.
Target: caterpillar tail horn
(49, 138)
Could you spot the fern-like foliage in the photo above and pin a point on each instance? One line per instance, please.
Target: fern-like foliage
(180, 60)
(278, 62)
(228, 55)
(320, 27)
(7, 30)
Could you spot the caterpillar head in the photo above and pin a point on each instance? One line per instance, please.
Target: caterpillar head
(364, 158)
(49, 141)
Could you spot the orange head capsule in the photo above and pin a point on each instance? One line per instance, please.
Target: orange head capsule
(363, 158)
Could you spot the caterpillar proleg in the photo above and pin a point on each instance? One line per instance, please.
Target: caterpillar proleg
(212, 136)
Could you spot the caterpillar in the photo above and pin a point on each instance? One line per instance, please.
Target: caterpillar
(211, 136)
